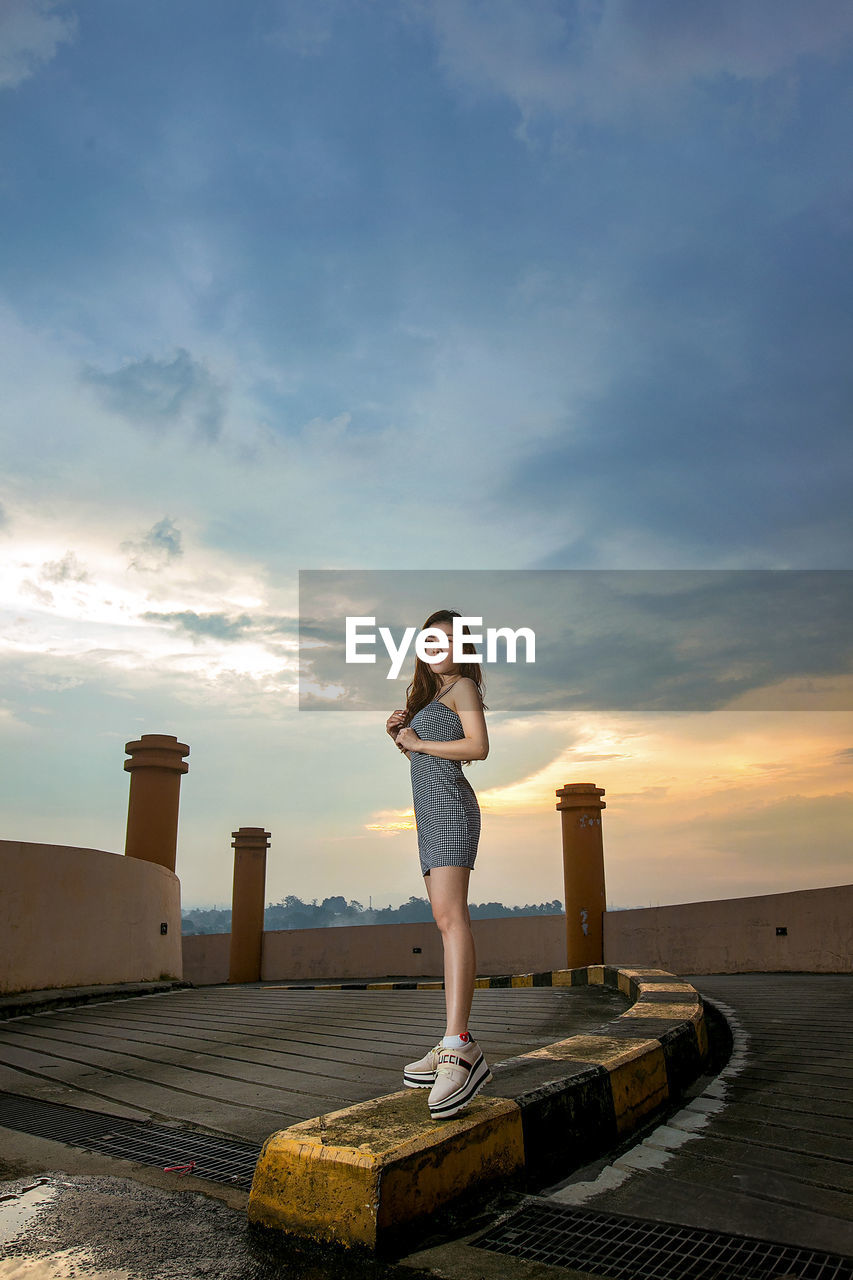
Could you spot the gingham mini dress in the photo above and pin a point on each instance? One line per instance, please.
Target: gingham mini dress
(447, 814)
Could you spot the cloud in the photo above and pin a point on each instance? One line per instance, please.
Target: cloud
(156, 394)
(68, 569)
(217, 625)
(727, 334)
(30, 34)
(782, 833)
(226, 627)
(304, 27)
(645, 640)
(603, 61)
(38, 593)
(160, 545)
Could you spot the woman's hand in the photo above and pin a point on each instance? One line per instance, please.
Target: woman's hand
(392, 724)
(407, 739)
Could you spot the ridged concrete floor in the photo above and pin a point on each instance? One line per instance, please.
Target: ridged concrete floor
(767, 1149)
(246, 1061)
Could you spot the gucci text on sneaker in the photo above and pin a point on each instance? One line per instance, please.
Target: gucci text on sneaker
(459, 1076)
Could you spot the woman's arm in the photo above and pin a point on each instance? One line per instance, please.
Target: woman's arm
(392, 727)
(458, 749)
(469, 708)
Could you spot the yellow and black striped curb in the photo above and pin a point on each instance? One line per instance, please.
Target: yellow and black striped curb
(373, 1174)
(503, 980)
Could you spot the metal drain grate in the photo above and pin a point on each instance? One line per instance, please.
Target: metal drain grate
(220, 1159)
(625, 1248)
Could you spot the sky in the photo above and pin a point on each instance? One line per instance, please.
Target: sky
(559, 291)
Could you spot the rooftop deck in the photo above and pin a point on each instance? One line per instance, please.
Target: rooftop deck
(761, 1151)
(246, 1061)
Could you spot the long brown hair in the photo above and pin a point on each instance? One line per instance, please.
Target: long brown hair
(426, 684)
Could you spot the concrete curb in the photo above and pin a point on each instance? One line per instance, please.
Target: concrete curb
(25, 1003)
(373, 1176)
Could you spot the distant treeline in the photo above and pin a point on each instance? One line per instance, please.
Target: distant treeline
(293, 913)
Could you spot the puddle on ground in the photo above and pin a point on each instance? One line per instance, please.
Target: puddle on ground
(57, 1266)
(17, 1212)
(17, 1209)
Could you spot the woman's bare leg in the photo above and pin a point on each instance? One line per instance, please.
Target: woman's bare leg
(447, 888)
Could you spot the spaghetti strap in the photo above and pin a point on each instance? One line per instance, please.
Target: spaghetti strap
(447, 690)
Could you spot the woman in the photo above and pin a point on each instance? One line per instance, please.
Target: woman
(442, 726)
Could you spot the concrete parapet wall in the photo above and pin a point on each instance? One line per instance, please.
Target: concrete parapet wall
(509, 944)
(732, 935)
(74, 917)
(738, 935)
(207, 958)
(515, 944)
